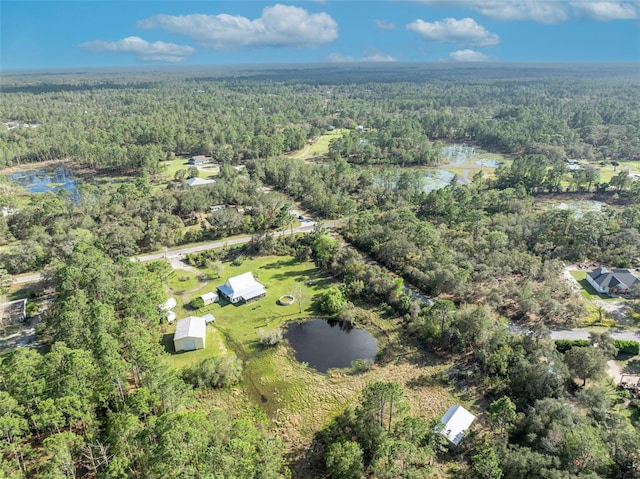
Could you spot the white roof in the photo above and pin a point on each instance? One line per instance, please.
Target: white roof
(168, 304)
(199, 181)
(191, 327)
(171, 316)
(243, 286)
(211, 295)
(455, 422)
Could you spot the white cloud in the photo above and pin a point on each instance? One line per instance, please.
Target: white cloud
(543, 11)
(382, 25)
(370, 55)
(279, 26)
(546, 11)
(470, 56)
(606, 11)
(465, 32)
(142, 49)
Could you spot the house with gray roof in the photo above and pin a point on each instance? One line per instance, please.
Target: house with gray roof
(615, 282)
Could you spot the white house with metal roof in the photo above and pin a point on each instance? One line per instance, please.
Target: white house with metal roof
(455, 423)
(190, 334)
(243, 287)
(199, 181)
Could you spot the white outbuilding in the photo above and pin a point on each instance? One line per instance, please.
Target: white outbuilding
(168, 305)
(209, 298)
(455, 423)
(190, 334)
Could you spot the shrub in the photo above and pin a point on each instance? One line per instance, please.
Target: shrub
(238, 260)
(627, 347)
(215, 372)
(361, 365)
(271, 337)
(564, 345)
(197, 303)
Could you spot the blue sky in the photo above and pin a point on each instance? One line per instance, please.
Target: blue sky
(66, 34)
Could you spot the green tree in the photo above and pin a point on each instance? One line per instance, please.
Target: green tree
(501, 413)
(332, 301)
(586, 363)
(485, 463)
(343, 460)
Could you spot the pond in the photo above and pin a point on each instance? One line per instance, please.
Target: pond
(467, 156)
(327, 344)
(42, 181)
(580, 207)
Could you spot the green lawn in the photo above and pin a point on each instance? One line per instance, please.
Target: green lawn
(281, 275)
(182, 281)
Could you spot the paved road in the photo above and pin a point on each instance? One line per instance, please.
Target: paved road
(306, 226)
(626, 335)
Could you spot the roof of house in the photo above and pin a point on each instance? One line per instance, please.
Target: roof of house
(191, 327)
(242, 286)
(211, 295)
(455, 422)
(623, 278)
(199, 181)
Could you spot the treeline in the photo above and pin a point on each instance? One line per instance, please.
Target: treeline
(133, 123)
(102, 403)
(131, 218)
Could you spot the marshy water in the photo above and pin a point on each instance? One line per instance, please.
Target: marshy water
(324, 344)
(43, 180)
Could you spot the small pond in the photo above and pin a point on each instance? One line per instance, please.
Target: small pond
(329, 344)
(580, 207)
(42, 181)
(465, 155)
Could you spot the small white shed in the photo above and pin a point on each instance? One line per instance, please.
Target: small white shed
(171, 316)
(209, 298)
(168, 305)
(190, 334)
(455, 423)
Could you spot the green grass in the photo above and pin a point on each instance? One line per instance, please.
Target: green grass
(183, 281)
(281, 275)
(214, 346)
(321, 146)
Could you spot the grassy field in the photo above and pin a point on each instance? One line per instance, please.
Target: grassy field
(320, 147)
(182, 281)
(280, 275)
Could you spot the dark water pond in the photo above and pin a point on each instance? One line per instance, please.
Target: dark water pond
(41, 181)
(329, 344)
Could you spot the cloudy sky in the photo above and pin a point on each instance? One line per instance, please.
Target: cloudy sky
(62, 34)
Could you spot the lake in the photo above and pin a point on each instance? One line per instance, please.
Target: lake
(42, 181)
(327, 344)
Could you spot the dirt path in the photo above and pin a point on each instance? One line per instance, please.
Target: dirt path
(177, 264)
(614, 372)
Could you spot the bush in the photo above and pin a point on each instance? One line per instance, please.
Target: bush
(216, 372)
(271, 337)
(564, 345)
(239, 260)
(361, 365)
(197, 303)
(627, 347)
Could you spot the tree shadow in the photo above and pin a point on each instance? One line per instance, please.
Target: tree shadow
(632, 367)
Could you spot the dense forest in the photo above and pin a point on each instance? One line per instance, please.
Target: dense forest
(95, 399)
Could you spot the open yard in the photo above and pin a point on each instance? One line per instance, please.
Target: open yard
(320, 147)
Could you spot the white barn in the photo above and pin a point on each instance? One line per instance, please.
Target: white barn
(210, 298)
(455, 422)
(190, 334)
(243, 287)
(199, 181)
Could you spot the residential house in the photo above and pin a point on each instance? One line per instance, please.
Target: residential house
(615, 282)
(243, 287)
(199, 160)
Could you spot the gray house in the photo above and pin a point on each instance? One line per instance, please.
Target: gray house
(615, 282)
